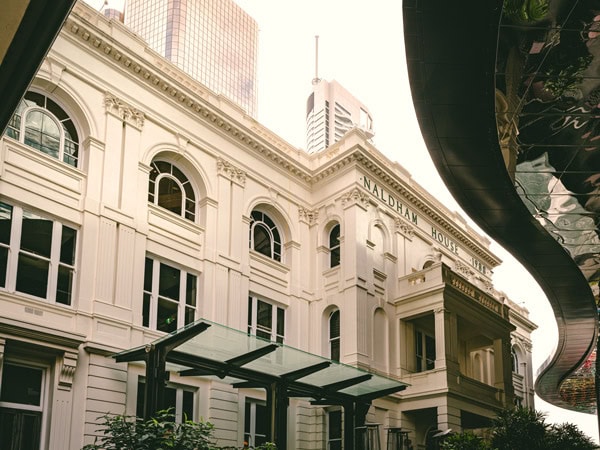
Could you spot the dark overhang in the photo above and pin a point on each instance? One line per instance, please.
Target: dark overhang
(462, 91)
(27, 30)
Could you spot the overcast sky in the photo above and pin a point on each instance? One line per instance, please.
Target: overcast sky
(362, 48)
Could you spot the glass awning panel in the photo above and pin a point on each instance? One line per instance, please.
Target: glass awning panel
(209, 349)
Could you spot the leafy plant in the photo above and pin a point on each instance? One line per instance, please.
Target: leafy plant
(464, 441)
(519, 429)
(526, 11)
(161, 432)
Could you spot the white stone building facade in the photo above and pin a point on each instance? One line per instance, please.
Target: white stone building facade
(134, 200)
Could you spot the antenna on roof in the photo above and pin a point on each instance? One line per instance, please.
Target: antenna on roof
(316, 79)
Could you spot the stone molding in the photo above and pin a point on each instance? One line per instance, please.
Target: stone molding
(123, 111)
(231, 172)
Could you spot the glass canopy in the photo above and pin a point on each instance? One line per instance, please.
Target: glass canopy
(207, 348)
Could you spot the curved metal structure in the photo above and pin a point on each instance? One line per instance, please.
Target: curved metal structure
(477, 67)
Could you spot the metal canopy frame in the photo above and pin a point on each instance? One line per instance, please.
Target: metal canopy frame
(205, 348)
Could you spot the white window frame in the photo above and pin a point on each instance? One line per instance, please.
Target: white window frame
(329, 438)
(179, 390)
(54, 262)
(270, 230)
(184, 198)
(45, 389)
(423, 358)
(253, 326)
(251, 434)
(337, 246)
(337, 338)
(62, 139)
(182, 306)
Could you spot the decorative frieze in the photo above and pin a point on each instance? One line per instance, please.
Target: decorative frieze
(463, 269)
(228, 170)
(356, 196)
(68, 365)
(308, 216)
(123, 111)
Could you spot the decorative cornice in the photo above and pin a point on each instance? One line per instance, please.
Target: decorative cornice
(67, 371)
(228, 170)
(190, 94)
(308, 216)
(356, 196)
(123, 111)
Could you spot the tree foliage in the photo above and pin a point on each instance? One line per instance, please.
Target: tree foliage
(522, 429)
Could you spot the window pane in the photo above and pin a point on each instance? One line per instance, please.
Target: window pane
(247, 413)
(32, 275)
(335, 349)
(264, 316)
(169, 282)
(21, 385)
(36, 234)
(187, 409)
(280, 322)
(262, 240)
(250, 301)
(335, 424)
(190, 315)
(5, 222)
(334, 257)
(262, 420)
(67, 245)
(190, 290)
(166, 316)
(430, 352)
(334, 236)
(171, 399)
(20, 429)
(334, 325)
(146, 310)
(64, 285)
(3, 265)
(148, 275)
(169, 195)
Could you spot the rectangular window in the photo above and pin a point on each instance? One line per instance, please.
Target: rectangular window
(170, 296)
(37, 255)
(178, 398)
(334, 430)
(21, 406)
(256, 423)
(266, 320)
(424, 351)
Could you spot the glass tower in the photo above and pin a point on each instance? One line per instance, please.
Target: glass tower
(214, 42)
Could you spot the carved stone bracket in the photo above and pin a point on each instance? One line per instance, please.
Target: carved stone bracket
(67, 371)
(308, 216)
(124, 111)
(404, 228)
(228, 170)
(356, 196)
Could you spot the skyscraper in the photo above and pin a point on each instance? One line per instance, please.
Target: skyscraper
(215, 42)
(331, 111)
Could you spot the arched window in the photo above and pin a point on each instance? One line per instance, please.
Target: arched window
(169, 188)
(514, 359)
(334, 246)
(264, 235)
(334, 335)
(40, 123)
